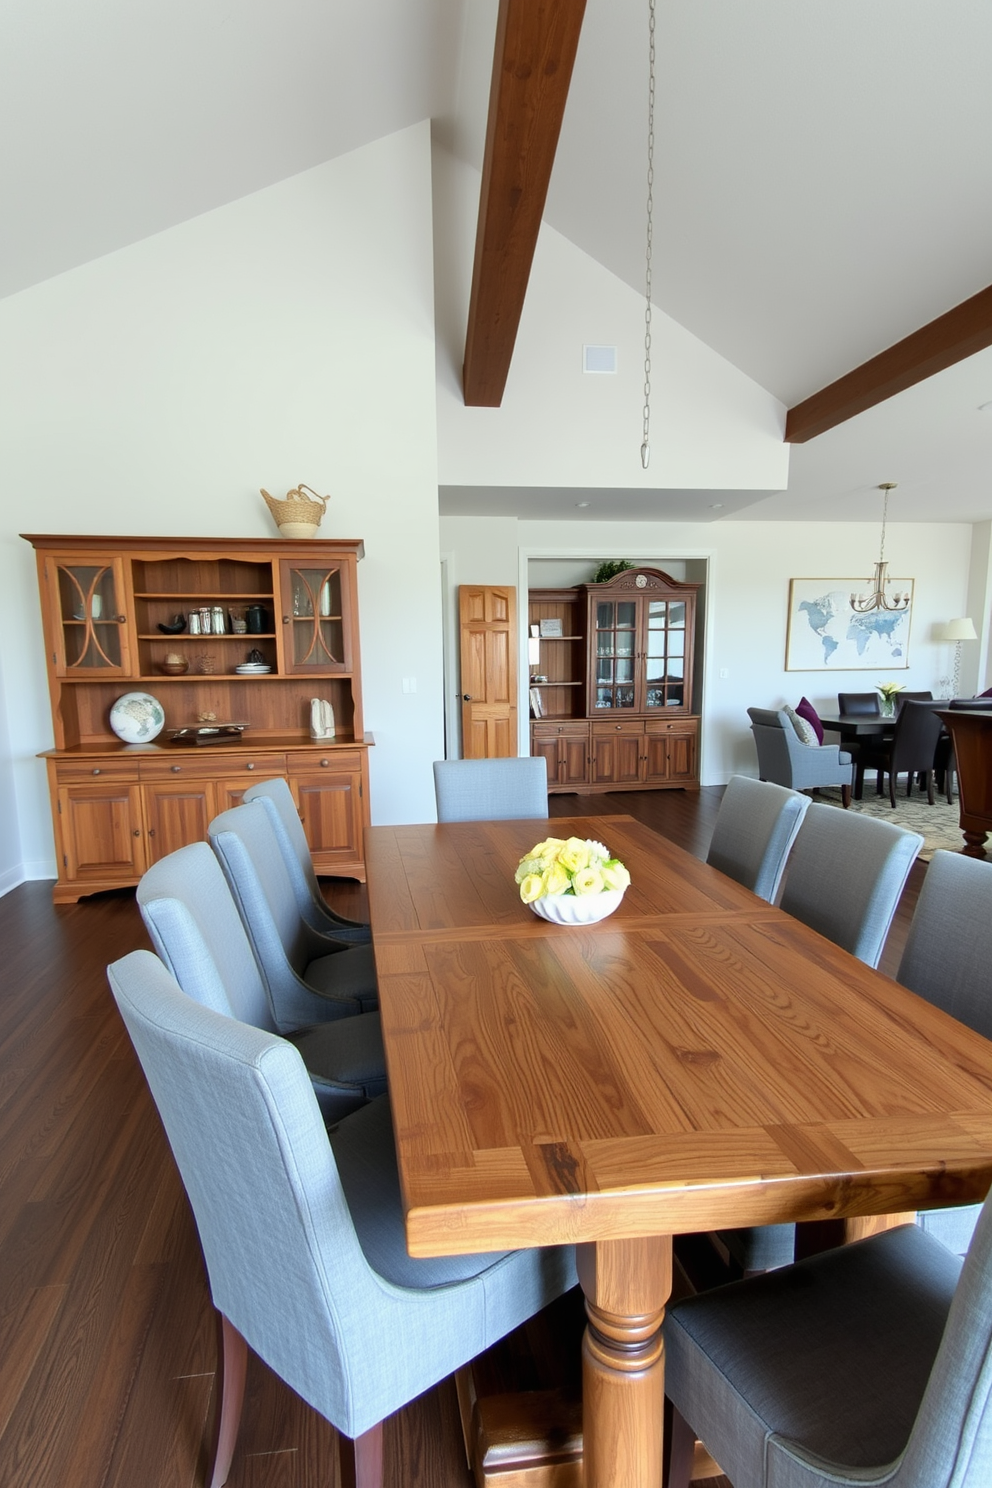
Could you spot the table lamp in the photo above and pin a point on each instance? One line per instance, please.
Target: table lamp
(958, 631)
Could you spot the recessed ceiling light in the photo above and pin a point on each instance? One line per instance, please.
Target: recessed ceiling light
(582, 503)
(984, 407)
(716, 506)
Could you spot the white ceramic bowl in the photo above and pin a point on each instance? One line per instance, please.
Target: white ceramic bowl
(577, 909)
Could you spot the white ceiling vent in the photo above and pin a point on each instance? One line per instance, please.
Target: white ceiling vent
(599, 359)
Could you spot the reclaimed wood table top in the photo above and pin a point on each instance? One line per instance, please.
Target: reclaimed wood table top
(699, 1059)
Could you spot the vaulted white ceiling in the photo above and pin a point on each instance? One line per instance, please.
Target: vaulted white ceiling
(821, 173)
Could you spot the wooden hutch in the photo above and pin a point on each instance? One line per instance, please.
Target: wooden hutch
(616, 705)
(118, 807)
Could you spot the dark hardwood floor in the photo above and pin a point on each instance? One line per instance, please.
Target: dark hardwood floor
(106, 1333)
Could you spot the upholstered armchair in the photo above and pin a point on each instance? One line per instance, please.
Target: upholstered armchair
(785, 760)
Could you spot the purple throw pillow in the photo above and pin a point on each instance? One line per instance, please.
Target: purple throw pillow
(986, 693)
(806, 710)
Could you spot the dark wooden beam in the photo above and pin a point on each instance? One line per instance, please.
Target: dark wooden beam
(536, 41)
(948, 339)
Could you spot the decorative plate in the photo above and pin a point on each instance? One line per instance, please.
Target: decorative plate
(137, 718)
(577, 909)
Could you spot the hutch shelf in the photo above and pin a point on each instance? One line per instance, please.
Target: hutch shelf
(612, 693)
(118, 807)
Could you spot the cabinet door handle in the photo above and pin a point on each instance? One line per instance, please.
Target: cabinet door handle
(285, 619)
(121, 619)
(136, 832)
(249, 767)
(151, 832)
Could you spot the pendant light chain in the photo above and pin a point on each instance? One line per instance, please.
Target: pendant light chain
(648, 247)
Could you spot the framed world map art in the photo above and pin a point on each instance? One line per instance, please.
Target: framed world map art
(826, 635)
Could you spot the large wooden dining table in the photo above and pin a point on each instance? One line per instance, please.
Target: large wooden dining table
(699, 1060)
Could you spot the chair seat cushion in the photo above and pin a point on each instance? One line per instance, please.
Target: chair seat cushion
(346, 1053)
(365, 1153)
(952, 1227)
(346, 974)
(832, 1353)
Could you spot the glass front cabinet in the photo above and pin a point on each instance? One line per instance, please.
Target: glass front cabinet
(636, 690)
(234, 638)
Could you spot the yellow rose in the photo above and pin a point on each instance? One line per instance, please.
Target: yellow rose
(588, 881)
(574, 855)
(527, 866)
(555, 880)
(531, 887)
(615, 875)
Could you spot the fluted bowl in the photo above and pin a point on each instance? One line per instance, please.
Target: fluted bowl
(577, 909)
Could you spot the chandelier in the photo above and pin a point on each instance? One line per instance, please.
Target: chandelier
(878, 599)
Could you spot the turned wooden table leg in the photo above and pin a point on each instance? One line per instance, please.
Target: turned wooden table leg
(626, 1284)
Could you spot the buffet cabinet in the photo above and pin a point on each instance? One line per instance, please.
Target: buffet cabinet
(116, 619)
(612, 692)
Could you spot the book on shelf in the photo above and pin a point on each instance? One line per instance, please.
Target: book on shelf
(536, 706)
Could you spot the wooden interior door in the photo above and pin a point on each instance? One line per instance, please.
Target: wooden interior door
(487, 617)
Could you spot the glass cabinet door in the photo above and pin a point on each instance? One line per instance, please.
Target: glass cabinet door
(615, 641)
(92, 636)
(316, 607)
(664, 659)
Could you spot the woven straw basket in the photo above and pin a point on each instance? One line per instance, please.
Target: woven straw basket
(298, 515)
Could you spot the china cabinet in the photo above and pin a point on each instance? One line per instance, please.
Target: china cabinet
(276, 624)
(612, 692)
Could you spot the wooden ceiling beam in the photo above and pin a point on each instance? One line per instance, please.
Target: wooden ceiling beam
(948, 339)
(536, 42)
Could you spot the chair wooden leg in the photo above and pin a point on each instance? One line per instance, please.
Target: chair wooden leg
(845, 796)
(930, 795)
(681, 1452)
(892, 789)
(232, 1365)
(360, 1461)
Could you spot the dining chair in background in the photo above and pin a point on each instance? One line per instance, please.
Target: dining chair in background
(844, 879)
(276, 796)
(755, 828)
(948, 960)
(195, 927)
(491, 789)
(911, 750)
(292, 956)
(785, 760)
(871, 1363)
(302, 1230)
(858, 704)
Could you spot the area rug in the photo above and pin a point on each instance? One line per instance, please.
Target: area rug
(938, 823)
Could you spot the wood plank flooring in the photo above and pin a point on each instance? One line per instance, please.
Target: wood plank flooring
(106, 1333)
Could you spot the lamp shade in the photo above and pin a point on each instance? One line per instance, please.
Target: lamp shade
(960, 630)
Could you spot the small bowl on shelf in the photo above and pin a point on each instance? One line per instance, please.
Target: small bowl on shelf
(174, 666)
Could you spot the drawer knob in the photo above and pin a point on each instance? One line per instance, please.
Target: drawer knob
(175, 769)
(136, 832)
(325, 762)
(249, 767)
(97, 771)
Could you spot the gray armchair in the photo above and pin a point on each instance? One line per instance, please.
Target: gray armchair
(785, 760)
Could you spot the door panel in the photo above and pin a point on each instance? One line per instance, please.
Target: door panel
(487, 619)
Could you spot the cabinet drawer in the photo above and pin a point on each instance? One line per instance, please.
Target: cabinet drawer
(342, 760)
(574, 728)
(70, 771)
(601, 728)
(670, 726)
(194, 766)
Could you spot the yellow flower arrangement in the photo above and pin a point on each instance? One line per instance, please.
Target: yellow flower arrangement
(889, 689)
(568, 866)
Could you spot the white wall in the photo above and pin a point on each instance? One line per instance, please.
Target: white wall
(749, 568)
(711, 428)
(278, 339)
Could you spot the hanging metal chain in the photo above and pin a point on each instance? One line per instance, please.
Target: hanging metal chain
(648, 247)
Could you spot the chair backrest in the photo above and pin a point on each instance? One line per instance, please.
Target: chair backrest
(950, 1445)
(914, 738)
(491, 789)
(755, 828)
(912, 697)
(277, 798)
(283, 1259)
(858, 703)
(846, 875)
(197, 931)
(948, 954)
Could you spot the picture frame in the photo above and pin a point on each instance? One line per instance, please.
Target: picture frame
(551, 629)
(824, 634)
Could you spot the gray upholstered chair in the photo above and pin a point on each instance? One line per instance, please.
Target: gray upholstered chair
(755, 828)
(491, 789)
(948, 960)
(195, 927)
(277, 798)
(785, 760)
(845, 877)
(302, 1231)
(868, 1364)
(294, 959)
